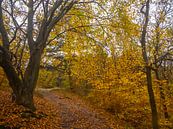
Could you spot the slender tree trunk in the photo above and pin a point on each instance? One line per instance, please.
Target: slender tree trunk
(162, 96)
(155, 124)
(152, 99)
(158, 72)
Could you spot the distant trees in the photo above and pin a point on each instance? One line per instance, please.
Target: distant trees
(109, 60)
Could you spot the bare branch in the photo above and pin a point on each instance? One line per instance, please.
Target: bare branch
(53, 9)
(70, 29)
(59, 17)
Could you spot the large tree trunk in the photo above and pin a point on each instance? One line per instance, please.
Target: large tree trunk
(22, 89)
(30, 79)
(25, 98)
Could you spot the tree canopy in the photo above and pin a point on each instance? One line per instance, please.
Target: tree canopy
(118, 49)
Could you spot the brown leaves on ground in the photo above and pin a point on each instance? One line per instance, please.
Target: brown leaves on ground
(13, 116)
(54, 111)
(76, 113)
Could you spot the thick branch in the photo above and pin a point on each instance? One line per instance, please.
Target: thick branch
(5, 38)
(47, 26)
(53, 9)
(30, 24)
(9, 70)
(56, 19)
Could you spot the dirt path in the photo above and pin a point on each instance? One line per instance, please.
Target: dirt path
(75, 114)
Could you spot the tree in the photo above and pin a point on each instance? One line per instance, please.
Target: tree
(162, 48)
(148, 67)
(29, 22)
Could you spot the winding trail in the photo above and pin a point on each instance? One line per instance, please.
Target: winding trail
(76, 114)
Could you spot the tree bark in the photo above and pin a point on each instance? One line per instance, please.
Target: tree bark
(6, 64)
(155, 124)
(22, 89)
(162, 95)
(152, 99)
(31, 77)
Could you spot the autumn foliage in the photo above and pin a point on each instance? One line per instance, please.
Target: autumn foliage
(115, 54)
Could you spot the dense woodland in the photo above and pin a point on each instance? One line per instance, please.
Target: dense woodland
(116, 54)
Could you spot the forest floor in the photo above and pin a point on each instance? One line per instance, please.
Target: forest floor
(55, 110)
(75, 113)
